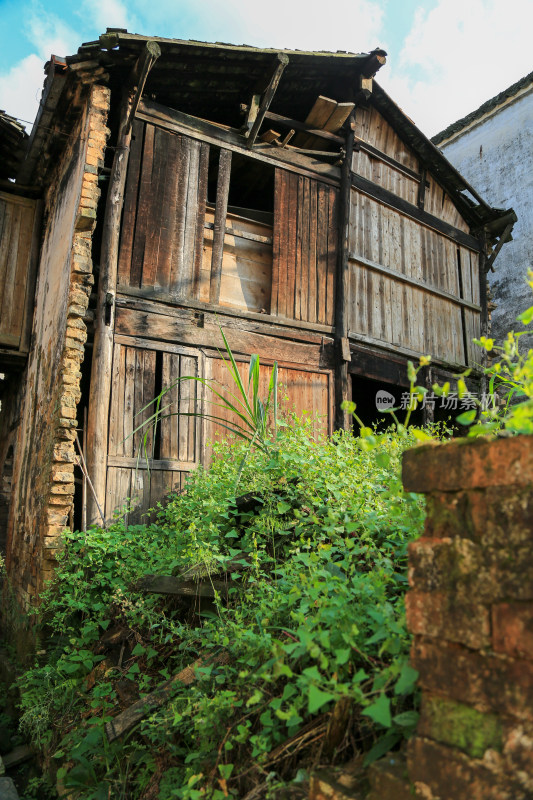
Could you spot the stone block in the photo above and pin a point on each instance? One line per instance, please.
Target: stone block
(442, 773)
(512, 629)
(469, 464)
(86, 218)
(389, 780)
(486, 681)
(459, 725)
(443, 615)
(8, 790)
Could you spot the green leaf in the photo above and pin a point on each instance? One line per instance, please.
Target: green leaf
(382, 746)
(225, 770)
(407, 719)
(379, 711)
(467, 417)
(317, 698)
(383, 460)
(406, 680)
(342, 656)
(283, 507)
(526, 316)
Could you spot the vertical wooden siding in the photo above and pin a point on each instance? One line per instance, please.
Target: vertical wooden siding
(391, 311)
(305, 239)
(164, 209)
(140, 370)
(18, 219)
(373, 129)
(168, 230)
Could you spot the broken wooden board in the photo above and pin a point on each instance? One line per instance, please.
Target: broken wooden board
(322, 110)
(326, 115)
(129, 718)
(270, 136)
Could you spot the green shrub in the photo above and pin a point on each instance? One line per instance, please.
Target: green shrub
(313, 621)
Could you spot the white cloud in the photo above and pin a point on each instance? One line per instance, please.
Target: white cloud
(104, 14)
(49, 35)
(350, 25)
(20, 88)
(457, 55)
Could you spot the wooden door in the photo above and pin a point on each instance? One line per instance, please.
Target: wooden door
(147, 462)
(19, 225)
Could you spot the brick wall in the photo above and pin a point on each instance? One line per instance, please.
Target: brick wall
(470, 608)
(43, 477)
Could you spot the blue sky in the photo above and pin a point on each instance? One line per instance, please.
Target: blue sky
(446, 57)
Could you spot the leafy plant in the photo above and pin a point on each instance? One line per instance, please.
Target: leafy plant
(510, 378)
(312, 620)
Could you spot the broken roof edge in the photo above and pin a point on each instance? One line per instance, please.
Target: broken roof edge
(114, 36)
(55, 77)
(478, 216)
(495, 104)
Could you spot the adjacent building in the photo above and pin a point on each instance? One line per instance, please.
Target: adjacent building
(493, 148)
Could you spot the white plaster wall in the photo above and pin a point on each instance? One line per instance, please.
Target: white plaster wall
(496, 157)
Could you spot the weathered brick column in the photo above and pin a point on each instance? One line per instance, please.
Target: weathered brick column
(470, 608)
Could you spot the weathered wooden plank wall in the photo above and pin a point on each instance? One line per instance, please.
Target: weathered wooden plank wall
(18, 220)
(305, 238)
(162, 228)
(168, 231)
(407, 280)
(141, 368)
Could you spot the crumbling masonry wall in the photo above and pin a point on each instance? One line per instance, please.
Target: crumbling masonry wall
(43, 476)
(470, 608)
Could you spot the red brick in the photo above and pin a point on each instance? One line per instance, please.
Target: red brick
(469, 464)
(512, 629)
(438, 614)
(487, 681)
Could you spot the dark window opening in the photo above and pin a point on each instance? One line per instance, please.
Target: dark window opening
(251, 187)
(373, 397)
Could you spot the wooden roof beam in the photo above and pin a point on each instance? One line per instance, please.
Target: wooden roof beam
(282, 61)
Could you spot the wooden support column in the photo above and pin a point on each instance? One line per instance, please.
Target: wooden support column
(282, 61)
(342, 345)
(219, 225)
(100, 389)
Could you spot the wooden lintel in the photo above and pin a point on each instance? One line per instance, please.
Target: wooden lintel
(156, 302)
(409, 210)
(208, 132)
(282, 61)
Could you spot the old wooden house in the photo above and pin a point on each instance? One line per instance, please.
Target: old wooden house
(184, 187)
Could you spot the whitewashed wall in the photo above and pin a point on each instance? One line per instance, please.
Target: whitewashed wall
(496, 157)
